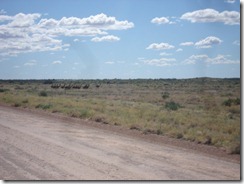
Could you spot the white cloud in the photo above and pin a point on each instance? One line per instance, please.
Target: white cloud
(56, 62)
(161, 20)
(194, 58)
(208, 42)
(187, 44)
(2, 11)
(23, 33)
(160, 62)
(219, 59)
(211, 15)
(179, 50)
(101, 21)
(109, 38)
(31, 63)
(165, 54)
(76, 40)
(141, 58)
(88, 25)
(236, 42)
(109, 62)
(24, 20)
(160, 46)
(230, 1)
(120, 62)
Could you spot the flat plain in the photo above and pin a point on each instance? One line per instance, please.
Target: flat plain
(200, 110)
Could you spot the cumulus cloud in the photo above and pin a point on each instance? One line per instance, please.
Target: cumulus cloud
(95, 24)
(236, 42)
(2, 11)
(194, 58)
(160, 46)
(31, 63)
(179, 50)
(219, 59)
(109, 62)
(208, 42)
(56, 62)
(109, 38)
(165, 54)
(160, 62)
(187, 44)
(161, 20)
(24, 20)
(230, 1)
(22, 33)
(211, 15)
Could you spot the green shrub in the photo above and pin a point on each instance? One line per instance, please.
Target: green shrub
(229, 102)
(149, 131)
(16, 104)
(172, 106)
(165, 95)
(43, 93)
(237, 101)
(44, 106)
(3, 90)
(25, 101)
(84, 113)
(159, 132)
(135, 127)
(234, 147)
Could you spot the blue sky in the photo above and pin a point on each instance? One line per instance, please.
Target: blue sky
(97, 39)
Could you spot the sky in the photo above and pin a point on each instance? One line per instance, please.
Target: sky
(107, 39)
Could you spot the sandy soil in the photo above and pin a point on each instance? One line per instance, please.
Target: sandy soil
(41, 146)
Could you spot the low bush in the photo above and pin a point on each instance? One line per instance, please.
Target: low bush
(229, 102)
(149, 131)
(25, 101)
(3, 90)
(16, 104)
(44, 106)
(159, 132)
(85, 113)
(135, 127)
(43, 93)
(234, 149)
(237, 101)
(165, 95)
(172, 106)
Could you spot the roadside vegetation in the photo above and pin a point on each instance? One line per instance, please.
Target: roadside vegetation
(203, 110)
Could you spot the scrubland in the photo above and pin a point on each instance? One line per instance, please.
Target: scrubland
(203, 110)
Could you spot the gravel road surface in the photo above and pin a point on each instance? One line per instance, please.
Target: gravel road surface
(38, 147)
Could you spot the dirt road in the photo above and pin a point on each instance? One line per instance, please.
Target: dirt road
(37, 147)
